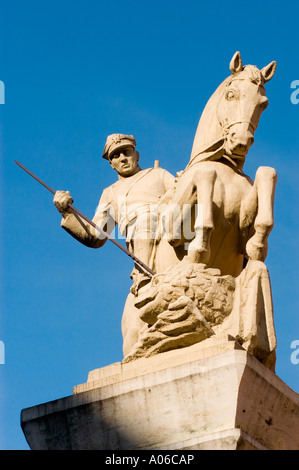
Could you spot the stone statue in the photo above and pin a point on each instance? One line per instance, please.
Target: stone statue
(209, 280)
(198, 328)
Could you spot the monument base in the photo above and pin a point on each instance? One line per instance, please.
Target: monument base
(210, 396)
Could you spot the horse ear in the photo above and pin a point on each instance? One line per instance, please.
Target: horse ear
(236, 63)
(269, 71)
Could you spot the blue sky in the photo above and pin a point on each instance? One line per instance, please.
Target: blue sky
(74, 72)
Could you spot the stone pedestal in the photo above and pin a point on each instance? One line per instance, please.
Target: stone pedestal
(212, 395)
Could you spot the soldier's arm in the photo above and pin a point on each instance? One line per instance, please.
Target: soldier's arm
(79, 228)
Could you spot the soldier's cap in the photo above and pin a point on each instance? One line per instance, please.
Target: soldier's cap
(117, 141)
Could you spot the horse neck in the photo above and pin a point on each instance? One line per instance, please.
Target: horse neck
(209, 137)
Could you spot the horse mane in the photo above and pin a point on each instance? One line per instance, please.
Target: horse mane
(209, 138)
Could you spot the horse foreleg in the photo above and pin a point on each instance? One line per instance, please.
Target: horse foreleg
(263, 198)
(199, 249)
(177, 212)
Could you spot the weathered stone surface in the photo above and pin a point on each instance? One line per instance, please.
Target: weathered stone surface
(225, 401)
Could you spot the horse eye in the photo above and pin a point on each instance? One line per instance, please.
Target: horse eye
(230, 95)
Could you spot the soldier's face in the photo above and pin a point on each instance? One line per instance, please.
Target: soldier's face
(125, 161)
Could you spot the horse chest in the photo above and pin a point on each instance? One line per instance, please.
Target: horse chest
(229, 193)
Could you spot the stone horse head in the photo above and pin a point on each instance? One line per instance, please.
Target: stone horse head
(231, 116)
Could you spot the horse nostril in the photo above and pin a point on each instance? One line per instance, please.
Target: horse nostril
(249, 142)
(232, 137)
(245, 141)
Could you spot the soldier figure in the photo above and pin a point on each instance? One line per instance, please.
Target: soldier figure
(133, 202)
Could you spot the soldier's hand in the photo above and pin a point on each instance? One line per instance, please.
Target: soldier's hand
(62, 201)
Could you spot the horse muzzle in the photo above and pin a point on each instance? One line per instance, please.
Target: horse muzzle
(239, 139)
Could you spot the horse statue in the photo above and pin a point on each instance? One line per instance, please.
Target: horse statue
(216, 282)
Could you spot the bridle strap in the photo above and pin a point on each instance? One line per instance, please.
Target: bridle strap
(228, 126)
